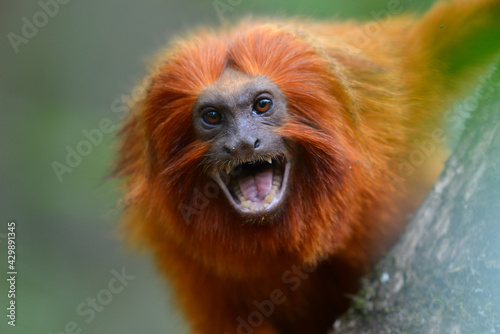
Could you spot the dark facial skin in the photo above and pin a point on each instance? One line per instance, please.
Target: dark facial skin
(245, 131)
(239, 116)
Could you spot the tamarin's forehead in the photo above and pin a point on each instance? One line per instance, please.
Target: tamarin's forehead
(236, 88)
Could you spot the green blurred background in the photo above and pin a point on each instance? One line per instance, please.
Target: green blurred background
(65, 79)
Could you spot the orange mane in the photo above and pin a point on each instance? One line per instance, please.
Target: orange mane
(319, 130)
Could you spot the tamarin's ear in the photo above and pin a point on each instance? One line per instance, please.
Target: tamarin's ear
(456, 38)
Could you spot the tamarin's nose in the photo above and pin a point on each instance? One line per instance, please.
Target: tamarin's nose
(242, 147)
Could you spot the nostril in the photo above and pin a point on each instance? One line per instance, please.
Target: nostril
(256, 144)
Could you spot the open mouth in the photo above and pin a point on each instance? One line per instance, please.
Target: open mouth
(255, 186)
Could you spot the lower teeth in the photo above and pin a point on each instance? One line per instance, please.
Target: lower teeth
(267, 201)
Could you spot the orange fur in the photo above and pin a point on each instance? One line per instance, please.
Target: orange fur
(356, 105)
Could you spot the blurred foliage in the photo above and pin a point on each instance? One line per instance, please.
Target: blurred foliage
(62, 81)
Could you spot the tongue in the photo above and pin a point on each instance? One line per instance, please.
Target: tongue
(257, 186)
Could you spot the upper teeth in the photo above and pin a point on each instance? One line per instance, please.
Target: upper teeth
(229, 169)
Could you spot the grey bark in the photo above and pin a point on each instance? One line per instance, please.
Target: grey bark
(443, 275)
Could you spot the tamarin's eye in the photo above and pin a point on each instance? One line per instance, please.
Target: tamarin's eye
(262, 106)
(212, 117)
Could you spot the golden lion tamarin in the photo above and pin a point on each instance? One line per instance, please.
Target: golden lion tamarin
(263, 165)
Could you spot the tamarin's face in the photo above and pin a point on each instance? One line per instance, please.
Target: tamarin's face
(239, 117)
